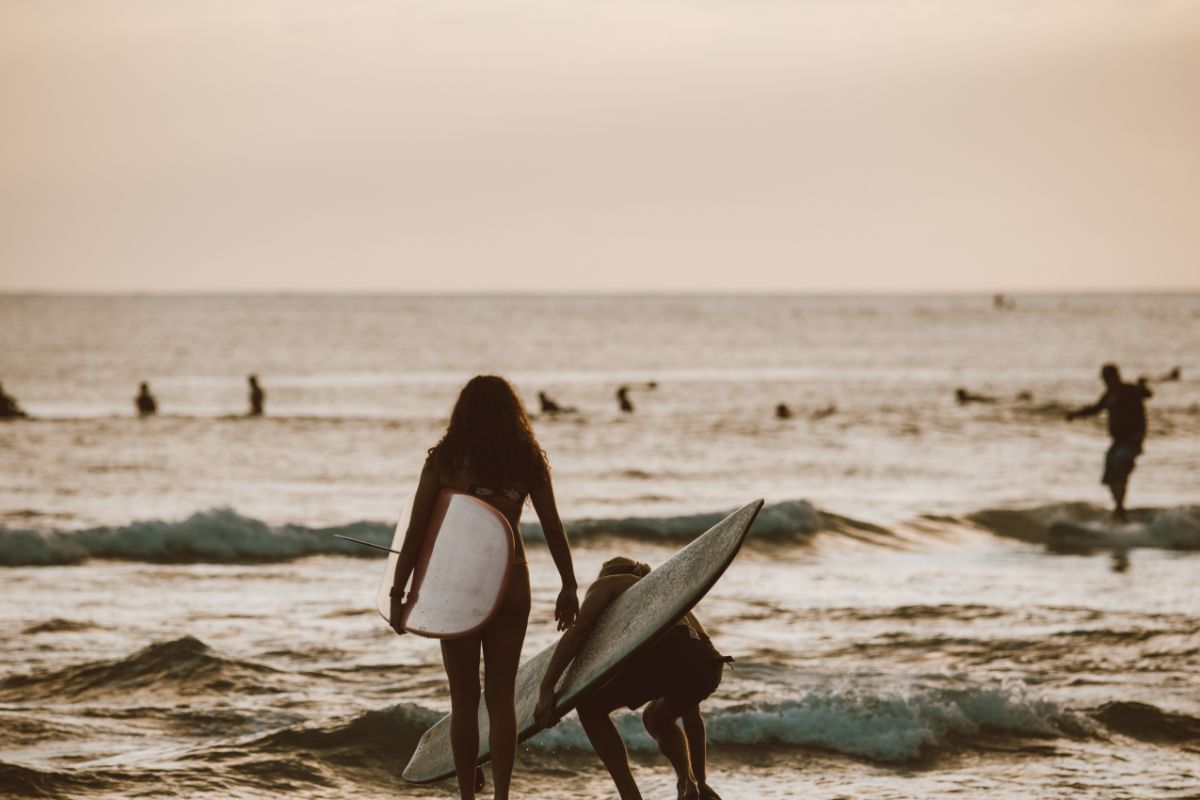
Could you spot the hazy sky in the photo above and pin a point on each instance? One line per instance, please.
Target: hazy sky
(615, 145)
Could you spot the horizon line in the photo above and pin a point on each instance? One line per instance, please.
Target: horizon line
(606, 293)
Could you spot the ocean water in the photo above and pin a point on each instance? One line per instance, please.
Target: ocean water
(179, 620)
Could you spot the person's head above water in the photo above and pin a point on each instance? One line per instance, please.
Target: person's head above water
(1110, 375)
(489, 434)
(620, 565)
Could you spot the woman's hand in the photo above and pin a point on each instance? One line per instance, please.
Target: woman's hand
(544, 712)
(567, 608)
(394, 614)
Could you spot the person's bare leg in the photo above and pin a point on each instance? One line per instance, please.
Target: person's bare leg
(501, 657)
(461, 658)
(660, 724)
(693, 729)
(609, 745)
(502, 640)
(1118, 489)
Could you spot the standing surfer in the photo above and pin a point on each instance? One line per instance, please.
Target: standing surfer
(257, 396)
(489, 451)
(1125, 404)
(674, 676)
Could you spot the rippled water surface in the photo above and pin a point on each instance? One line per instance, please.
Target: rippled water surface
(178, 620)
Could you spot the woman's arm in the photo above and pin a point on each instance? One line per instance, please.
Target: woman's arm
(418, 523)
(567, 606)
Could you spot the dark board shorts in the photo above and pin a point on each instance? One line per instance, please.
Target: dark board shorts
(682, 668)
(1119, 461)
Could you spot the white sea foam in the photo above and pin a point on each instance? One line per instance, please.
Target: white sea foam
(1175, 528)
(888, 726)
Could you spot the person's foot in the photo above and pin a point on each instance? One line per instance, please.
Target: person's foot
(1119, 515)
(687, 788)
(480, 781)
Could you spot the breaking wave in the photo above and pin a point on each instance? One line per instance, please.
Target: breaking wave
(884, 726)
(224, 536)
(893, 726)
(1176, 528)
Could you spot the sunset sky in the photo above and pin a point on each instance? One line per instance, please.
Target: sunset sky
(599, 145)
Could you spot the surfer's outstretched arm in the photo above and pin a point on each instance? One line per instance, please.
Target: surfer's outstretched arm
(599, 595)
(560, 550)
(1088, 411)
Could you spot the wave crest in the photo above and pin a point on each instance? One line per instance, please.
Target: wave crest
(185, 666)
(224, 536)
(894, 726)
(1175, 528)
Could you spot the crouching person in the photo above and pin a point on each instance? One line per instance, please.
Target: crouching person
(671, 679)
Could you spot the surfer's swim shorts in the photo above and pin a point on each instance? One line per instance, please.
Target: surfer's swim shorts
(1119, 461)
(683, 668)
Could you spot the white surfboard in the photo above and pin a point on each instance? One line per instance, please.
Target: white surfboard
(634, 621)
(461, 572)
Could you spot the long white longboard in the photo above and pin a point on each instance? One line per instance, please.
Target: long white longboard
(461, 572)
(633, 622)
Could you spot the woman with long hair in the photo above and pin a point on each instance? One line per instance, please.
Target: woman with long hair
(489, 450)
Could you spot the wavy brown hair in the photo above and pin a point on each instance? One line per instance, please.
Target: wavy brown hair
(489, 434)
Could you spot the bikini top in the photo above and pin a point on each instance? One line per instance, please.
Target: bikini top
(510, 492)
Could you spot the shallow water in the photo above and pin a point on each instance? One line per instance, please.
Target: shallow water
(179, 620)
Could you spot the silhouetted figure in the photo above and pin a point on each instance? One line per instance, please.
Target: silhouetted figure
(1126, 407)
(552, 407)
(1174, 375)
(146, 404)
(1002, 302)
(672, 678)
(782, 411)
(827, 411)
(963, 397)
(9, 408)
(623, 399)
(257, 397)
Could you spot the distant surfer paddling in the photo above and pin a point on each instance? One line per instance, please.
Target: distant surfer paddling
(674, 676)
(489, 451)
(1125, 404)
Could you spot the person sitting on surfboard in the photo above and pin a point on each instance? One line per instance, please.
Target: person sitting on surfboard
(9, 408)
(1126, 409)
(489, 450)
(146, 405)
(674, 676)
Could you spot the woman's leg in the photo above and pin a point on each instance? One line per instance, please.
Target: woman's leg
(461, 658)
(502, 640)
